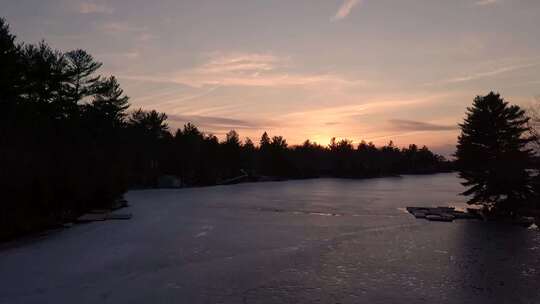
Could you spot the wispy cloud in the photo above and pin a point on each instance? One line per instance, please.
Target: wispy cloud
(355, 120)
(368, 107)
(169, 102)
(145, 36)
(486, 74)
(218, 125)
(213, 121)
(413, 125)
(140, 34)
(252, 69)
(239, 63)
(94, 8)
(121, 27)
(486, 2)
(345, 9)
(131, 55)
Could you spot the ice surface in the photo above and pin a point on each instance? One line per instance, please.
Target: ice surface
(275, 243)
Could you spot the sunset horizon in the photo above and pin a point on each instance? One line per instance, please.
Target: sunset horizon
(270, 151)
(368, 70)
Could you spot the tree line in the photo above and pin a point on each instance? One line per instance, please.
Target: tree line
(69, 143)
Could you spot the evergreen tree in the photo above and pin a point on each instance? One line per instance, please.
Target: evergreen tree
(248, 145)
(109, 104)
(149, 124)
(278, 164)
(265, 141)
(10, 73)
(45, 78)
(81, 67)
(190, 147)
(231, 154)
(341, 151)
(232, 138)
(248, 156)
(493, 156)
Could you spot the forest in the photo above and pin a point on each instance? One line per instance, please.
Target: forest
(70, 142)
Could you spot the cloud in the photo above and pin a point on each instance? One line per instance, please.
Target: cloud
(413, 125)
(121, 27)
(364, 118)
(145, 37)
(215, 124)
(239, 63)
(251, 70)
(94, 8)
(169, 104)
(256, 80)
(376, 105)
(130, 55)
(485, 74)
(345, 9)
(485, 2)
(139, 33)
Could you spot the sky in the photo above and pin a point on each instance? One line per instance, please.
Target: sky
(374, 70)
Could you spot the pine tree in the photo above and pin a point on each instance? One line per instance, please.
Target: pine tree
(265, 141)
(80, 69)
(493, 155)
(10, 73)
(231, 149)
(110, 103)
(265, 155)
(45, 77)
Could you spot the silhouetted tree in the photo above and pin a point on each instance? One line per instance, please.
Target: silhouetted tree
(265, 141)
(248, 156)
(149, 132)
(189, 145)
(265, 155)
(10, 73)
(344, 164)
(310, 159)
(109, 105)
(231, 154)
(368, 156)
(212, 163)
(493, 156)
(80, 69)
(45, 80)
(10, 80)
(391, 159)
(62, 143)
(149, 123)
(279, 163)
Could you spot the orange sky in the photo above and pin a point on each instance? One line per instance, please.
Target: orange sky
(376, 70)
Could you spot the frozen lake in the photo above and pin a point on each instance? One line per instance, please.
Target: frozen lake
(306, 241)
